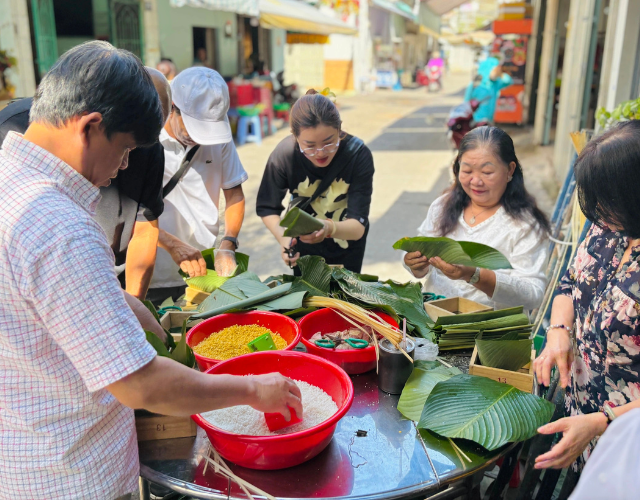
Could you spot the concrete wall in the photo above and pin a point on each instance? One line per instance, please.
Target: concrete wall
(304, 65)
(278, 42)
(15, 38)
(620, 54)
(151, 27)
(176, 35)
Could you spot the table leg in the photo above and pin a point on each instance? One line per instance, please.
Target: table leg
(145, 489)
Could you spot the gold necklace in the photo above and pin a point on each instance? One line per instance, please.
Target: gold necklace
(473, 217)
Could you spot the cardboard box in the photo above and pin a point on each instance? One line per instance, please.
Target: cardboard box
(453, 306)
(174, 319)
(522, 379)
(151, 426)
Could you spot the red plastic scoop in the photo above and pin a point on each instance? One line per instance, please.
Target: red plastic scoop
(276, 421)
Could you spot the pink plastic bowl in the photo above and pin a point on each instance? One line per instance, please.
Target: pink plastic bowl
(353, 361)
(286, 450)
(278, 323)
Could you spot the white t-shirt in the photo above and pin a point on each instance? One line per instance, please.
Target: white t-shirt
(191, 209)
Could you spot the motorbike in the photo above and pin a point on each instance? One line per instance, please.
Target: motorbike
(461, 121)
(284, 93)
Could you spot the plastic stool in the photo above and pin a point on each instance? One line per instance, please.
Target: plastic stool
(243, 136)
(267, 115)
(284, 114)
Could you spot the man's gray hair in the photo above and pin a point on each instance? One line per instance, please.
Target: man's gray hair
(97, 77)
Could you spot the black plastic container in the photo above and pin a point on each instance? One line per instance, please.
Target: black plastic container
(393, 366)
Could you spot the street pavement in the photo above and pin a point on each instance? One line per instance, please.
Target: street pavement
(406, 133)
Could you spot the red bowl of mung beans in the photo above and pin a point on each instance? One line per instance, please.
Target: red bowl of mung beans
(232, 324)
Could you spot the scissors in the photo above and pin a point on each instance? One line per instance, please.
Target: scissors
(328, 343)
(291, 252)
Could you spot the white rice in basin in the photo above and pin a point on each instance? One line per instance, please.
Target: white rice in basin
(317, 407)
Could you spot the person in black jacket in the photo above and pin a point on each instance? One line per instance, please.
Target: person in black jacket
(329, 174)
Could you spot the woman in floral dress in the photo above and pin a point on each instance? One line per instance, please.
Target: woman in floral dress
(598, 301)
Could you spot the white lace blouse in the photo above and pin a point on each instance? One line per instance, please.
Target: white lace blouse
(522, 244)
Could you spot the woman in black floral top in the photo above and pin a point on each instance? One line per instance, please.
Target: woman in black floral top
(599, 299)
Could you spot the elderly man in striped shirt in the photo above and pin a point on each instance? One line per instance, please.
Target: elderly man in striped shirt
(74, 361)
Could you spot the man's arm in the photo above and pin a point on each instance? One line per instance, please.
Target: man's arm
(185, 391)
(188, 258)
(141, 258)
(233, 215)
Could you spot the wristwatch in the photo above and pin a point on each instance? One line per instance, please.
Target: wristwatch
(475, 277)
(232, 240)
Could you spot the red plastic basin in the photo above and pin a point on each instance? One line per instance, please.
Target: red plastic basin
(278, 323)
(354, 361)
(286, 450)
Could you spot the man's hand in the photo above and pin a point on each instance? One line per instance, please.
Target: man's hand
(418, 264)
(225, 262)
(274, 392)
(188, 258)
(558, 352)
(576, 433)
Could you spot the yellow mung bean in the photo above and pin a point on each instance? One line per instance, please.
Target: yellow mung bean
(232, 341)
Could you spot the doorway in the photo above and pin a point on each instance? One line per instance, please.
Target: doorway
(205, 47)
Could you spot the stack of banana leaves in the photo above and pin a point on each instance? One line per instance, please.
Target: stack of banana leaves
(292, 295)
(461, 331)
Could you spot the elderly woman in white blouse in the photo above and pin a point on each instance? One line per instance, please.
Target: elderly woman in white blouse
(489, 204)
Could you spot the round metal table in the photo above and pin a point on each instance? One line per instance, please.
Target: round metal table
(394, 460)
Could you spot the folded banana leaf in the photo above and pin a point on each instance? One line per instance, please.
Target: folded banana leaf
(243, 304)
(211, 281)
(483, 410)
(298, 223)
(466, 253)
(507, 353)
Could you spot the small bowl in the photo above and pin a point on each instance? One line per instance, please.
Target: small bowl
(284, 450)
(353, 361)
(278, 323)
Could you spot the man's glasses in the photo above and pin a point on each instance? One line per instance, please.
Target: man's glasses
(328, 149)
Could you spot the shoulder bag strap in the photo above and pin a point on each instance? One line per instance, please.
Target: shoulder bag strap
(184, 166)
(351, 150)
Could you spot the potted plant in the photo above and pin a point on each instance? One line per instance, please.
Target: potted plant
(6, 89)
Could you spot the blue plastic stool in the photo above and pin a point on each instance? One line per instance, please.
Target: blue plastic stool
(243, 135)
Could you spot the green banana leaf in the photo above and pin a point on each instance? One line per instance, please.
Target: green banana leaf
(507, 353)
(157, 344)
(466, 253)
(235, 289)
(401, 298)
(315, 278)
(182, 352)
(243, 304)
(211, 281)
(483, 410)
(242, 260)
(292, 301)
(478, 316)
(419, 386)
(298, 223)
(152, 308)
(168, 302)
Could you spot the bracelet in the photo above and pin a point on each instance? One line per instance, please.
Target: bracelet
(333, 224)
(563, 327)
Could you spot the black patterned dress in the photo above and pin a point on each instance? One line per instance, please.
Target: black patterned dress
(606, 302)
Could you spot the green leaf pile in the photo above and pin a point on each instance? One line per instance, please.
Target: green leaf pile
(465, 253)
(211, 281)
(483, 410)
(461, 330)
(509, 352)
(298, 223)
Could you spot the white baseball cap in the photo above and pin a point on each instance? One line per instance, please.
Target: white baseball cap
(202, 96)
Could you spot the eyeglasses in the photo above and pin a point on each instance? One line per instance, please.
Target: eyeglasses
(328, 149)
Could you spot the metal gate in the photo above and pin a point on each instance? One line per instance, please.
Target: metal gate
(126, 26)
(44, 30)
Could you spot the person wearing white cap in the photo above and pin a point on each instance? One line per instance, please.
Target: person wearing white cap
(200, 160)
